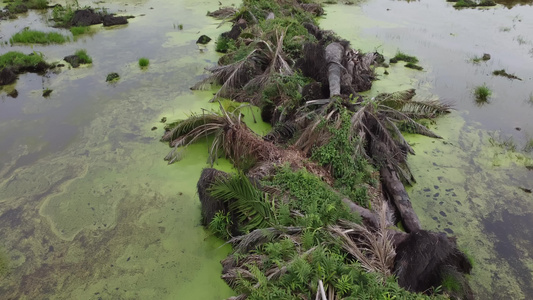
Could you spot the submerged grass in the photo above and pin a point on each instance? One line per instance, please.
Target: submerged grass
(38, 37)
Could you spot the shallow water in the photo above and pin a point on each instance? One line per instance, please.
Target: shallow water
(469, 184)
(88, 207)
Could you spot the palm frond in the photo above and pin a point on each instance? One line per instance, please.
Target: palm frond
(247, 242)
(415, 127)
(373, 250)
(183, 127)
(403, 101)
(425, 109)
(245, 200)
(231, 77)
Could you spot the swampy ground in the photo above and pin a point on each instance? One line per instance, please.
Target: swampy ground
(89, 209)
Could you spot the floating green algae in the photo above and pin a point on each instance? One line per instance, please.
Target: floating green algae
(471, 189)
(88, 207)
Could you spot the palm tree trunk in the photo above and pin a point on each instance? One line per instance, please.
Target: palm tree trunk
(334, 54)
(397, 193)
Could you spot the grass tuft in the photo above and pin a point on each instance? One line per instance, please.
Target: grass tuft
(482, 94)
(143, 62)
(400, 56)
(38, 37)
(83, 57)
(79, 30)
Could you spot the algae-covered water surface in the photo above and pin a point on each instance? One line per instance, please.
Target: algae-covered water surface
(476, 182)
(88, 207)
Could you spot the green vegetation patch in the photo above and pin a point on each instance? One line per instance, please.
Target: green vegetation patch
(482, 94)
(144, 62)
(83, 57)
(224, 45)
(38, 37)
(19, 60)
(318, 204)
(349, 170)
(20, 6)
(112, 77)
(400, 56)
(79, 30)
(62, 16)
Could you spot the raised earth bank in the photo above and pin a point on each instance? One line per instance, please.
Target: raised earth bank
(317, 207)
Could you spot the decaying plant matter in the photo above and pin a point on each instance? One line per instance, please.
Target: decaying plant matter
(293, 211)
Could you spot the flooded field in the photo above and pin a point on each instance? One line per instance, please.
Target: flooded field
(89, 209)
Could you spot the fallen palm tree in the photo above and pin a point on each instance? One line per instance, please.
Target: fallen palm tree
(293, 211)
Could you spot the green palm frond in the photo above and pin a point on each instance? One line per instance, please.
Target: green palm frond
(245, 200)
(402, 101)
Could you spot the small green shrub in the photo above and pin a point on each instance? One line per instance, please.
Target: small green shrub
(482, 94)
(79, 30)
(38, 37)
(143, 62)
(220, 225)
(83, 57)
(225, 45)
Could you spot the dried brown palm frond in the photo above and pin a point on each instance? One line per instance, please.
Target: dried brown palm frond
(231, 137)
(315, 133)
(376, 121)
(232, 76)
(373, 249)
(251, 73)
